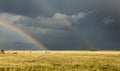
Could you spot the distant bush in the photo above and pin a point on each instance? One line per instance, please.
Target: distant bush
(94, 49)
(15, 53)
(2, 51)
(118, 49)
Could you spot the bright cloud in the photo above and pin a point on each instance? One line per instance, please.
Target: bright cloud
(58, 22)
(9, 17)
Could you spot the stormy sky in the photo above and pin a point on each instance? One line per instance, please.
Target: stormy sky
(63, 24)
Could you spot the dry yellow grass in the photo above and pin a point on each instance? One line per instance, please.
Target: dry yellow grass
(60, 61)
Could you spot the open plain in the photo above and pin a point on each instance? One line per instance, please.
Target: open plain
(60, 61)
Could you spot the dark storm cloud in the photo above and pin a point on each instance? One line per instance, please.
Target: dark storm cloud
(37, 7)
(53, 31)
(25, 7)
(98, 21)
(42, 7)
(73, 6)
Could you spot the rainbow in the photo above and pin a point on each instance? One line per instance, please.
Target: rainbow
(22, 33)
(48, 8)
(81, 37)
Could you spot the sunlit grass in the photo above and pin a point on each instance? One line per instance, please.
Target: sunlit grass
(60, 61)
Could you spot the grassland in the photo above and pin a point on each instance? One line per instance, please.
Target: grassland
(60, 61)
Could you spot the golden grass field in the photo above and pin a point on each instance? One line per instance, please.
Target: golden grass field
(60, 61)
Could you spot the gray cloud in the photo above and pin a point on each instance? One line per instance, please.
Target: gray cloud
(50, 21)
(58, 21)
(47, 30)
(31, 8)
(109, 20)
(80, 15)
(48, 8)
